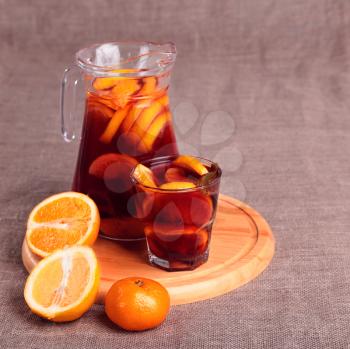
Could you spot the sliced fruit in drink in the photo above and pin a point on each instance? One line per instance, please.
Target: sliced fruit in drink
(114, 170)
(164, 100)
(63, 286)
(179, 209)
(133, 114)
(185, 242)
(62, 220)
(105, 83)
(99, 165)
(144, 176)
(176, 174)
(103, 99)
(95, 106)
(177, 185)
(191, 163)
(124, 89)
(153, 131)
(114, 124)
(149, 85)
(145, 118)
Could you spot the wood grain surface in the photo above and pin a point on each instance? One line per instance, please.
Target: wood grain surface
(242, 246)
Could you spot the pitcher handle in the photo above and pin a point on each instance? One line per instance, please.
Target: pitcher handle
(68, 102)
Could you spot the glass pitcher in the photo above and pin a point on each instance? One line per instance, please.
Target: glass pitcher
(127, 119)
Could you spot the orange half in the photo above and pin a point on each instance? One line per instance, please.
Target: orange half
(62, 220)
(63, 286)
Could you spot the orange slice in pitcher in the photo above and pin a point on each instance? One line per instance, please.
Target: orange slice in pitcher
(124, 89)
(144, 176)
(177, 185)
(191, 163)
(149, 86)
(114, 124)
(105, 100)
(133, 114)
(95, 105)
(63, 286)
(164, 100)
(145, 118)
(153, 131)
(62, 220)
(105, 83)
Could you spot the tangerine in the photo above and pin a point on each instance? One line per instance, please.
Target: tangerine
(137, 303)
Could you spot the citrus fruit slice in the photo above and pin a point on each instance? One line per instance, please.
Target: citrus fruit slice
(62, 220)
(191, 163)
(99, 166)
(144, 176)
(63, 286)
(145, 118)
(133, 114)
(175, 174)
(164, 100)
(113, 125)
(153, 131)
(149, 85)
(95, 105)
(177, 185)
(124, 89)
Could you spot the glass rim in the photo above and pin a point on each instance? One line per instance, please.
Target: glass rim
(166, 52)
(218, 173)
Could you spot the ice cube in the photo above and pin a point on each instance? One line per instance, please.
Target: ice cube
(107, 55)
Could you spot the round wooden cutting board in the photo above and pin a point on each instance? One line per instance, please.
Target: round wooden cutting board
(242, 246)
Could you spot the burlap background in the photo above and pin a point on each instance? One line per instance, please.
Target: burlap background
(281, 70)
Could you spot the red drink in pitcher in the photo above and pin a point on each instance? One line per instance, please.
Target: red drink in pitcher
(127, 120)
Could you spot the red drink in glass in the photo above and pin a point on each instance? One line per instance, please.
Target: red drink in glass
(178, 212)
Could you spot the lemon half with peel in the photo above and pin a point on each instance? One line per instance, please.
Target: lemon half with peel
(63, 286)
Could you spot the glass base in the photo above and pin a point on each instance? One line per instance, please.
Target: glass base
(176, 264)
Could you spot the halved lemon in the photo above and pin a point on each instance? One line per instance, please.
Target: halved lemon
(63, 286)
(62, 220)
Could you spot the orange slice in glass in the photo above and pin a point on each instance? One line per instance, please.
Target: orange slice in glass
(144, 176)
(177, 185)
(63, 286)
(191, 163)
(62, 220)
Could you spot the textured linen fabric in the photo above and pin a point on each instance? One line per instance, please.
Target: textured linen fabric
(270, 81)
